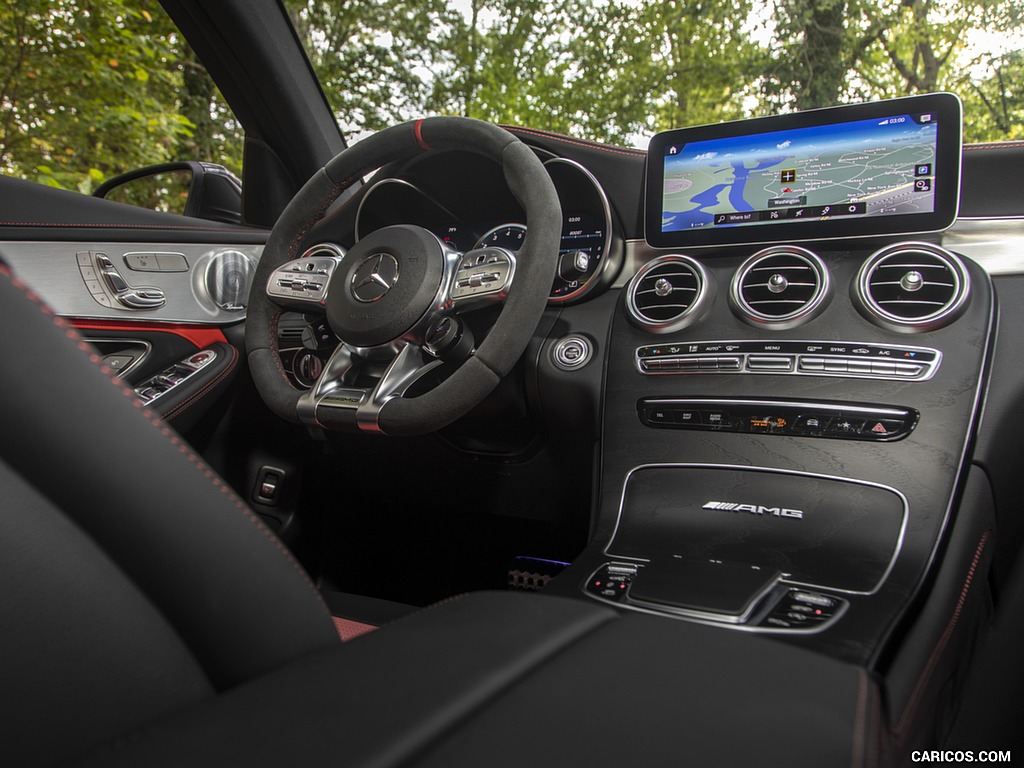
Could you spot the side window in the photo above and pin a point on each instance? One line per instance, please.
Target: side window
(91, 89)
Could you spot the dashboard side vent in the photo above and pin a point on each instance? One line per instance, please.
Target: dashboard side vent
(780, 287)
(667, 294)
(912, 287)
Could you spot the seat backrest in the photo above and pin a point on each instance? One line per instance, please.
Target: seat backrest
(134, 579)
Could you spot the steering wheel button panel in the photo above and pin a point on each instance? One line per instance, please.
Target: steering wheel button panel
(303, 281)
(483, 272)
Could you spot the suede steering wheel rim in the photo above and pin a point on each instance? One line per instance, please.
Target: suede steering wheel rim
(397, 286)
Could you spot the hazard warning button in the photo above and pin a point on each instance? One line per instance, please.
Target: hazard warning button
(883, 428)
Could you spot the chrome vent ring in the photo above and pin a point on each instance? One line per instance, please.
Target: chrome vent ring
(912, 287)
(667, 294)
(780, 287)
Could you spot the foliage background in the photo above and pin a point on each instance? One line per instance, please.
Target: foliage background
(91, 88)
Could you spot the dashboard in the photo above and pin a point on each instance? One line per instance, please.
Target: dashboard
(784, 361)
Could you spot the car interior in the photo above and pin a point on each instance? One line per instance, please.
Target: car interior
(480, 445)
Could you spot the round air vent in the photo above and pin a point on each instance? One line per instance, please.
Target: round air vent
(667, 294)
(780, 287)
(228, 279)
(912, 287)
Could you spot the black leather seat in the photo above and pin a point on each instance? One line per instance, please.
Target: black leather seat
(151, 619)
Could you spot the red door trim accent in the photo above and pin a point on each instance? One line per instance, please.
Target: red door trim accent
(200, 336)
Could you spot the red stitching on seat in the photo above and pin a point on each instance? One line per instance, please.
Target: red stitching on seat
(933, 660)
(165, 430)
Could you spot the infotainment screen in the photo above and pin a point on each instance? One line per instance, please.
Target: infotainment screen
(878, 168)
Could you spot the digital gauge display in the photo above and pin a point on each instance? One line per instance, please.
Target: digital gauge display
(589, 254)
(586, 257)
(581, 253)
(508, 236)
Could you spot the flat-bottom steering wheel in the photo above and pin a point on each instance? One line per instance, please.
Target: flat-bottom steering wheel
(402, 289)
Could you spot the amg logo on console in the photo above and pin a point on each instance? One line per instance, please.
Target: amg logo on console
(755, 509)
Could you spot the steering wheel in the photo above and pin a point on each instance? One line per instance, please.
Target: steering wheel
(399, 292)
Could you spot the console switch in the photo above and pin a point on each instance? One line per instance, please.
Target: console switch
(172, 377)
(802, 610)
(612, 581)
(268, 485)
(791, 418)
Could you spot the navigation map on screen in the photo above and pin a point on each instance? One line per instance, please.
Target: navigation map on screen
(865, 168)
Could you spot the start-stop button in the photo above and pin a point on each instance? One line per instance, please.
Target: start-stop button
(572, 352)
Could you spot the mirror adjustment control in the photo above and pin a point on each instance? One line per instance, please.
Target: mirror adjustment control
(199, 359)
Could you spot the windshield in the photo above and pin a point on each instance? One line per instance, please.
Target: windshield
(89, 90)
(621, 70)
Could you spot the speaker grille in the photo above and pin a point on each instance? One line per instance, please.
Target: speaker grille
(228, 280)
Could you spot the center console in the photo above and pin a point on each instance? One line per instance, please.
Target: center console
(789, 410)
(793, 481)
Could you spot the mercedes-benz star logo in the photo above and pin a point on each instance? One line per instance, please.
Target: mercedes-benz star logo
(375, 277)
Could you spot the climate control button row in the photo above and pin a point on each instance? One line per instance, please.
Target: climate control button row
(812, 358)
